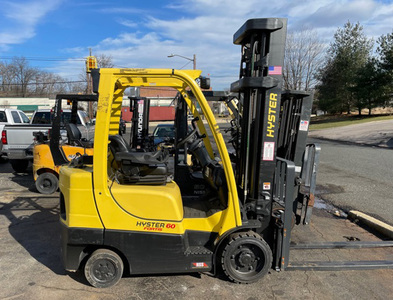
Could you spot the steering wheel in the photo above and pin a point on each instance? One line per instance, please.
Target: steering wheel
(187, 139)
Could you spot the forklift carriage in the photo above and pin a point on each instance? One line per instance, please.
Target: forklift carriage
(232, 211)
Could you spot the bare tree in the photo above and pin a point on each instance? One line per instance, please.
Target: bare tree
(75, 87)
(6, 78)
(48, 84)
(303, 57)
(23, 75)
(19, 79)
(105, 61)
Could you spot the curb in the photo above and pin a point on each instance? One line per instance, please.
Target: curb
(379, 226)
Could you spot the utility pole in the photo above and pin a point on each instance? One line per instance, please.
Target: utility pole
(88, 77)
(91, 63)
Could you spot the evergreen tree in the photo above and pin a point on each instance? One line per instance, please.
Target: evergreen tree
(385, 51)
(348, 53)
(369, 90)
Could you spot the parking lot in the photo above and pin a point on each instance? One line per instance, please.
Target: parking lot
(32, 269)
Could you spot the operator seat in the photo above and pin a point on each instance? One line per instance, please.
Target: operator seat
(75, 137)
(139, 167)
(213, 172)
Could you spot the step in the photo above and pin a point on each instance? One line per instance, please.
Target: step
(197, 250)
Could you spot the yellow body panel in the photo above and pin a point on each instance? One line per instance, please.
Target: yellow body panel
(77, 189)
(159, 202)
(116, 217)
(43, 160)
(120, 210)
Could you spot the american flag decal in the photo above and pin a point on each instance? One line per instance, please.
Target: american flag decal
(275, 70)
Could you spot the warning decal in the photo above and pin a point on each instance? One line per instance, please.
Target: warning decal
(268, 151)
(196, 265)
(303, 125)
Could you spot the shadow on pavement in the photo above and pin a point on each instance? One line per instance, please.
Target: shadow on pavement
(34, 224)
(25, 180)
(389, 144)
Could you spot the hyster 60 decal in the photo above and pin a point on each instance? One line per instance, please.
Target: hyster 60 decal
(155, 226)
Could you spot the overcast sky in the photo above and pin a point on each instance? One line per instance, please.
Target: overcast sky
(142, 33)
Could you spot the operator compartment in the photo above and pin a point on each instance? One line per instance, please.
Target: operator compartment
(147, 173)
(190, 183)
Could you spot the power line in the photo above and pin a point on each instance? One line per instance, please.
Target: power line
(185, 65)
(222, 76)
(43, 58)
(41, 83)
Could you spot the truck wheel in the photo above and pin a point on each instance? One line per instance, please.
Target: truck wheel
(246, 257)
(47, 183)
(104, 268)
(19, 165)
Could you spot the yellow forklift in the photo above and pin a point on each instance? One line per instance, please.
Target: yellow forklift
(50, 155)
(124, 213)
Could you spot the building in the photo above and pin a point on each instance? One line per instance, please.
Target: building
(162, 106)
(28, 105)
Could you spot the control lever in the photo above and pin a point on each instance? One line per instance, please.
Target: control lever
(193, 123)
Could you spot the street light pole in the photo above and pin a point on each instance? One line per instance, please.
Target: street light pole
(190, 59)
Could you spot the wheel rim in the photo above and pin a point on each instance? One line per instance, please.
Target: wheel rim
(103, 270)
(247, 260)
(46, 184)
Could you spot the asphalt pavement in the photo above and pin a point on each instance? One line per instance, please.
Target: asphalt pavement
(356, 167)
(377, 134)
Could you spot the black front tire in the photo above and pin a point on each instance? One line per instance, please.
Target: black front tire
(246, 257)
(19, 165)
(47, 183)
(104, 268)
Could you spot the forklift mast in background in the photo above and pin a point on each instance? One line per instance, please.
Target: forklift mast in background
(140, 107)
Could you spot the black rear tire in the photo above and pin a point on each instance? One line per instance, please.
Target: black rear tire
(246, 257)
(47, 183)
(104, 268)
(19, 165)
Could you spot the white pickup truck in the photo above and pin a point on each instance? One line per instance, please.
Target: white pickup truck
(9, 116)
(18, 140)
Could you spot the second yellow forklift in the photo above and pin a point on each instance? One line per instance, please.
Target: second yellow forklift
(50, 155)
